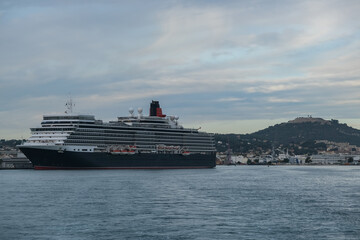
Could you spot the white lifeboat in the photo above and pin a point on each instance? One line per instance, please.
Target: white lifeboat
(185, 153)
(122, 152)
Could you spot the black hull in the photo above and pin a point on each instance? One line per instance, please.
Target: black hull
(52, 159)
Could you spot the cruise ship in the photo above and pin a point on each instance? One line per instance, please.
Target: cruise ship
(157, 141)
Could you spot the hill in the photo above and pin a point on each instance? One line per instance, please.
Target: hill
(309, 129)
(301, 136)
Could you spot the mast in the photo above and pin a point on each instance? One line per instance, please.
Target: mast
(69, 105)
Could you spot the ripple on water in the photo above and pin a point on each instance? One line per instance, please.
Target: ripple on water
(242, 202)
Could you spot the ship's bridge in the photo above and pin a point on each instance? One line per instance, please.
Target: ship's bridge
(67, 119)
(55, 129)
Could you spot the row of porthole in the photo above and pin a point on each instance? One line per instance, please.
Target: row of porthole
(82, 150)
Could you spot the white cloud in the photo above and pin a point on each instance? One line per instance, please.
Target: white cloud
(187, 32)
(271, 54)
(230, 99)
(283, 100)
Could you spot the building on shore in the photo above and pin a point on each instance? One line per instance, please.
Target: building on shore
(17, 162)
(335, 159)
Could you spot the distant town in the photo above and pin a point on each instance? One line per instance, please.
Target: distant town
(304, 140)
(336, 153)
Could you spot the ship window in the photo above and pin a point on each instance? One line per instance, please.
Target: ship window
(85, 150)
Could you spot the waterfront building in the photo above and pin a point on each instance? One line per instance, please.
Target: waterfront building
(328, 159)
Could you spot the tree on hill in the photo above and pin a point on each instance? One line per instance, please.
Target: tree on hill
(300, 137)
(310, 131)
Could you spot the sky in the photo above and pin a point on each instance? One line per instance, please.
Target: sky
(224, 66)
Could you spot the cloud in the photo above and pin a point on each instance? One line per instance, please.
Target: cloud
(282, 100)
(186, 32)
(203, 59)
(230, 99)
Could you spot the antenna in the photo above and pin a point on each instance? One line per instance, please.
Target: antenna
(69, 105)
(131, 111)
(140, 110)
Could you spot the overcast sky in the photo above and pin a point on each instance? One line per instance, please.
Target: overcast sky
(227, 66)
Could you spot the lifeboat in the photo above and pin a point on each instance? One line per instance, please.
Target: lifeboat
(186, 153)
(122, 152)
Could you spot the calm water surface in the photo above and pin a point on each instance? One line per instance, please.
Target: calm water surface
(235, 202)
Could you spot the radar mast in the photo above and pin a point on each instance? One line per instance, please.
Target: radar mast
(69, 105)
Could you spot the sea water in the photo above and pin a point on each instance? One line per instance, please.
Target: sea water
(228, 202)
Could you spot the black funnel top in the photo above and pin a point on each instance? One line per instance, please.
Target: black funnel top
(154, 105)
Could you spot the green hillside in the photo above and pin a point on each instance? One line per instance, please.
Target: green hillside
(299, 136)
(298, 131)
(301, 131)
